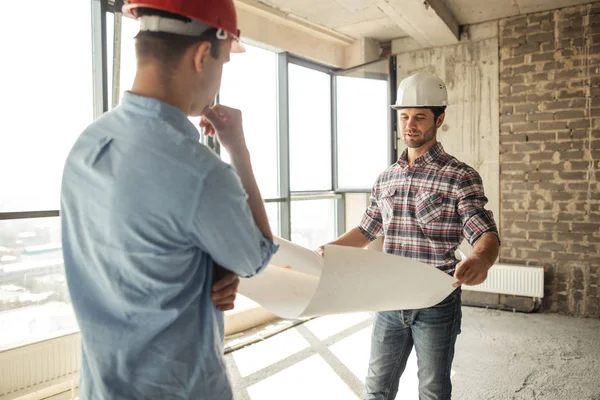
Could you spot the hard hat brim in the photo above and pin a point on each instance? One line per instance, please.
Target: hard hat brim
(397, 107)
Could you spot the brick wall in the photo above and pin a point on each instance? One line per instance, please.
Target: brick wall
(550, 151)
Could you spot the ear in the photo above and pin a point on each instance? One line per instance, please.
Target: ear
(440, 120)
(201, 52)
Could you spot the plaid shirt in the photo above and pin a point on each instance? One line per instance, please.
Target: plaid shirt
(424, 212)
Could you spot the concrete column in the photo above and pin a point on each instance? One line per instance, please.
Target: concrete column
(362, 51)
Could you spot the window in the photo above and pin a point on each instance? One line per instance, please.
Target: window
(363, 139)
(309, 129)
(272, 210)
(313, 222)
(49, 88)
(34, 299)
(250, 84)
(128, 61)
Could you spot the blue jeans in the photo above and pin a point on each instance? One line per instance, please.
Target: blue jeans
(432, 331)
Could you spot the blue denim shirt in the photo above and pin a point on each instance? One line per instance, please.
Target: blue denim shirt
(145, 210)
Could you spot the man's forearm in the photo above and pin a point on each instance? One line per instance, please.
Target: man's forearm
(352, 238)
(486, 249)
(241, 162)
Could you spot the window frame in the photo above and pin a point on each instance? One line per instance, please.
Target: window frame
(286, 195)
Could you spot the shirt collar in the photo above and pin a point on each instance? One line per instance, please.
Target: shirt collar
(432, 154)
(152, 107)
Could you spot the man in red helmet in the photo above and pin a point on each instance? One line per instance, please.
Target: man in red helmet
(149, 214)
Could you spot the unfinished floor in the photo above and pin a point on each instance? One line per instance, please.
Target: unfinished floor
(500, 355)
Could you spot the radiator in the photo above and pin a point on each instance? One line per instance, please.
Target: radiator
(39, 366)
(515, 280)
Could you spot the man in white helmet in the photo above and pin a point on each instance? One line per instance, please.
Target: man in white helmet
(424, 205)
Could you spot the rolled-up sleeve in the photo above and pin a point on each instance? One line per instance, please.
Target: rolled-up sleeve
(371, 224)
(476, 220)
(223, 226)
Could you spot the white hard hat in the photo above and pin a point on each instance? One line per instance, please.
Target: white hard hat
(421, 90)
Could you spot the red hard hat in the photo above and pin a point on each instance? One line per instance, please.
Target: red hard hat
(219, 14)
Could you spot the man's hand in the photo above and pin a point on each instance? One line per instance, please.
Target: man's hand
(225, 288)
(471, 271)
(226, 124)
(321, 251)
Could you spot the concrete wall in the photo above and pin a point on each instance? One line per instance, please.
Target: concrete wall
(550, 151)
(471, 129)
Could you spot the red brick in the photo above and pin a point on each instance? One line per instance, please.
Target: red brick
(527, 108)
(514, 99)
(523, 69)
(567, 73)
(513, 41)
(513, 118)
(575, 175)
(540, 37)
(570, 114)
(552, 126)
(541, 176)
(541, 156)
(515, 21)
(529, 48)
(542, 57)
(552, 65)
(557, 105)
(541, 136)
(571, 33)
(525, 127)
(540, 97)
(586, 227)
(513, 61)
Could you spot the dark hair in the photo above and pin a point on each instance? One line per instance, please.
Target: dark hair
(437, 112)
(168, 48)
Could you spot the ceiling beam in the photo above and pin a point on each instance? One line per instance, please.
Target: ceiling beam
(277, 16)
(429, 22)
(278, 31)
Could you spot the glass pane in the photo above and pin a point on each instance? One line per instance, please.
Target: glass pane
(363, 93)
(128, 67)
(313, 222)
(129, 28)
(257, 98)
(48, 88)
(34, 299)
(110, 37)
(273, 216)
(310, 129)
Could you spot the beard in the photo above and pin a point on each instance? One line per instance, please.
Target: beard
(415, 138)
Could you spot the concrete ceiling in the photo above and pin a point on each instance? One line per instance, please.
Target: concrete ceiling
(469, 12)
(356, 18)
(428, 22)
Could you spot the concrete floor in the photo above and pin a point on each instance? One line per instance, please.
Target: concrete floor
(500, 355)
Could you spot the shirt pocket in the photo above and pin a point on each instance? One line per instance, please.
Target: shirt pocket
(386, 204)
(428, 207)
